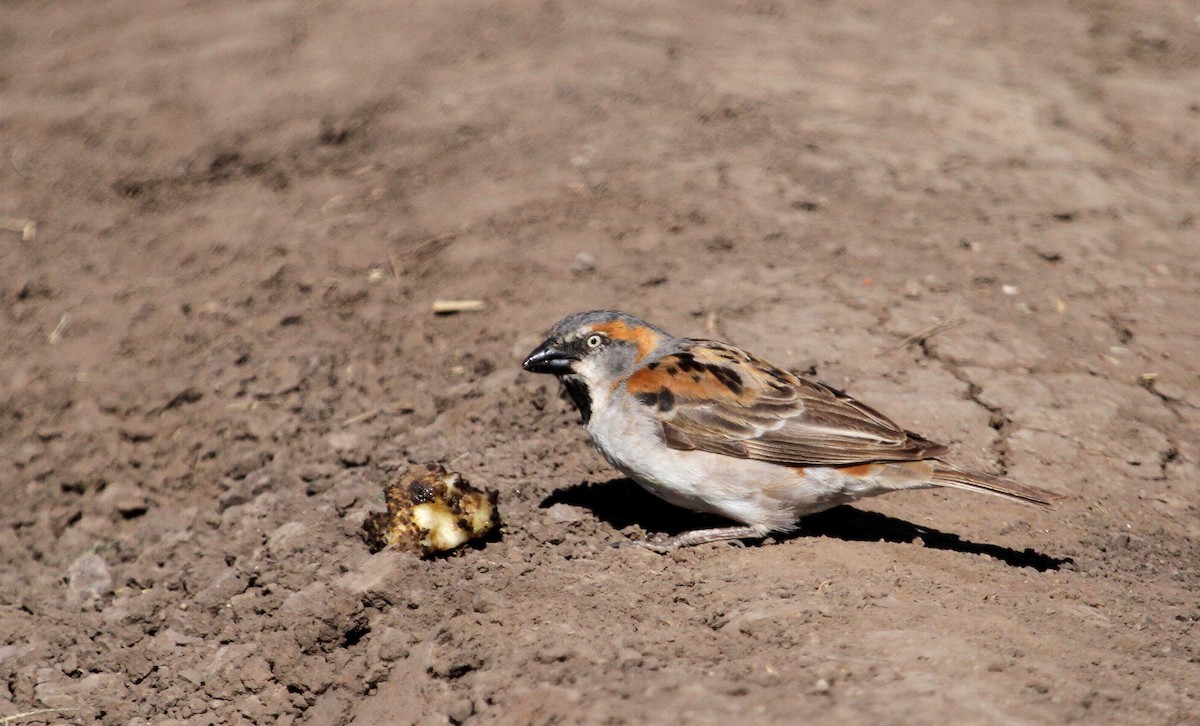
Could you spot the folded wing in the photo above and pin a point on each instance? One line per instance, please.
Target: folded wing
(718, 398)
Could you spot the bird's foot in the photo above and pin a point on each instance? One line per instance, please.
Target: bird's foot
(699, 537)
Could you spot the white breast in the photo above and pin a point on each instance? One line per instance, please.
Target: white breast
(768, 496)
(745, 491)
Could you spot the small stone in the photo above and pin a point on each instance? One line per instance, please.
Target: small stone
(389, 644)
(564, 513)
(221, 589)
(720, 243)
(54, 693)
(26, 453)
(246, 463)
(192, 676)
(316, 471)
(136, 431)
(349, 448)
(281, 378)
(320, 615)
(255, 673)
(1048, 253)
(89, 579)
(245, 490)
(933, 283)
(583, 264)
(376, 579)
(343, 440)
(127, 499)
(1038, 685)
(484, 602)
(191, 394)
(48, 433)
(630, 658)
(554, 652)
(821, 686)
(290, 538)
(253, 709)
(1119, 541)
(105, 685)
(1168, 388)
(460, 710)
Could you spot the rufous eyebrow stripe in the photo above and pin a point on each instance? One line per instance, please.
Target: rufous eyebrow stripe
(645, 338)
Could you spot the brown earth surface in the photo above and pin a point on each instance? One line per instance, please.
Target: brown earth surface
(218, 347)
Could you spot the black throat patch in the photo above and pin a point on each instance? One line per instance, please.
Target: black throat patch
(579, 394)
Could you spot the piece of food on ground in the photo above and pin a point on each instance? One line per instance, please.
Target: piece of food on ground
(431, 510)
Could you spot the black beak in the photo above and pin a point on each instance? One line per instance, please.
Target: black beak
(548, 358)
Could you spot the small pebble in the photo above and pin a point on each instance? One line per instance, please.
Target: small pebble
(89, 578)
(583, 264)
(564, 513)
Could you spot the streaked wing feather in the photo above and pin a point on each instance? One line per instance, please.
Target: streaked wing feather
(768, 414)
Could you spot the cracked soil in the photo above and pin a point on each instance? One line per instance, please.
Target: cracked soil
(978, 217)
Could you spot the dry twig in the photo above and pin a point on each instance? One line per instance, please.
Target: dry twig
(34, 712)
(362, 417)
(27, 227)
(447, 307)
(924, 334)
(56, 334)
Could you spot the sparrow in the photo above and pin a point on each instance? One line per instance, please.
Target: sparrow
(712, 428)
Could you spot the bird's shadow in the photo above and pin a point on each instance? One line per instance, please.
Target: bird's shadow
(622, 503)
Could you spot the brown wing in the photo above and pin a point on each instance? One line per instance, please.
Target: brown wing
(714, 397)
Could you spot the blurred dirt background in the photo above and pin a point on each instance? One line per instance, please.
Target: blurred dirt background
(217, 346)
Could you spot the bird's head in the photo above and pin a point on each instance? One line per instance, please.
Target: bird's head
(594, 350)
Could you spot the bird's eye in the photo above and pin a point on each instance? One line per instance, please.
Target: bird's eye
(594, 341)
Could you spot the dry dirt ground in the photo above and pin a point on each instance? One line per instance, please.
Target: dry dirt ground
(217, 347)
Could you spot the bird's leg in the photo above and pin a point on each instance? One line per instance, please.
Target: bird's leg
(702, 536)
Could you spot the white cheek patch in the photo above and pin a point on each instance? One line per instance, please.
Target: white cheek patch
(587, 369)
(592, 374)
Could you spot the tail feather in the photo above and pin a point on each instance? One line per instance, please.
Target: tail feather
(974, 481)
